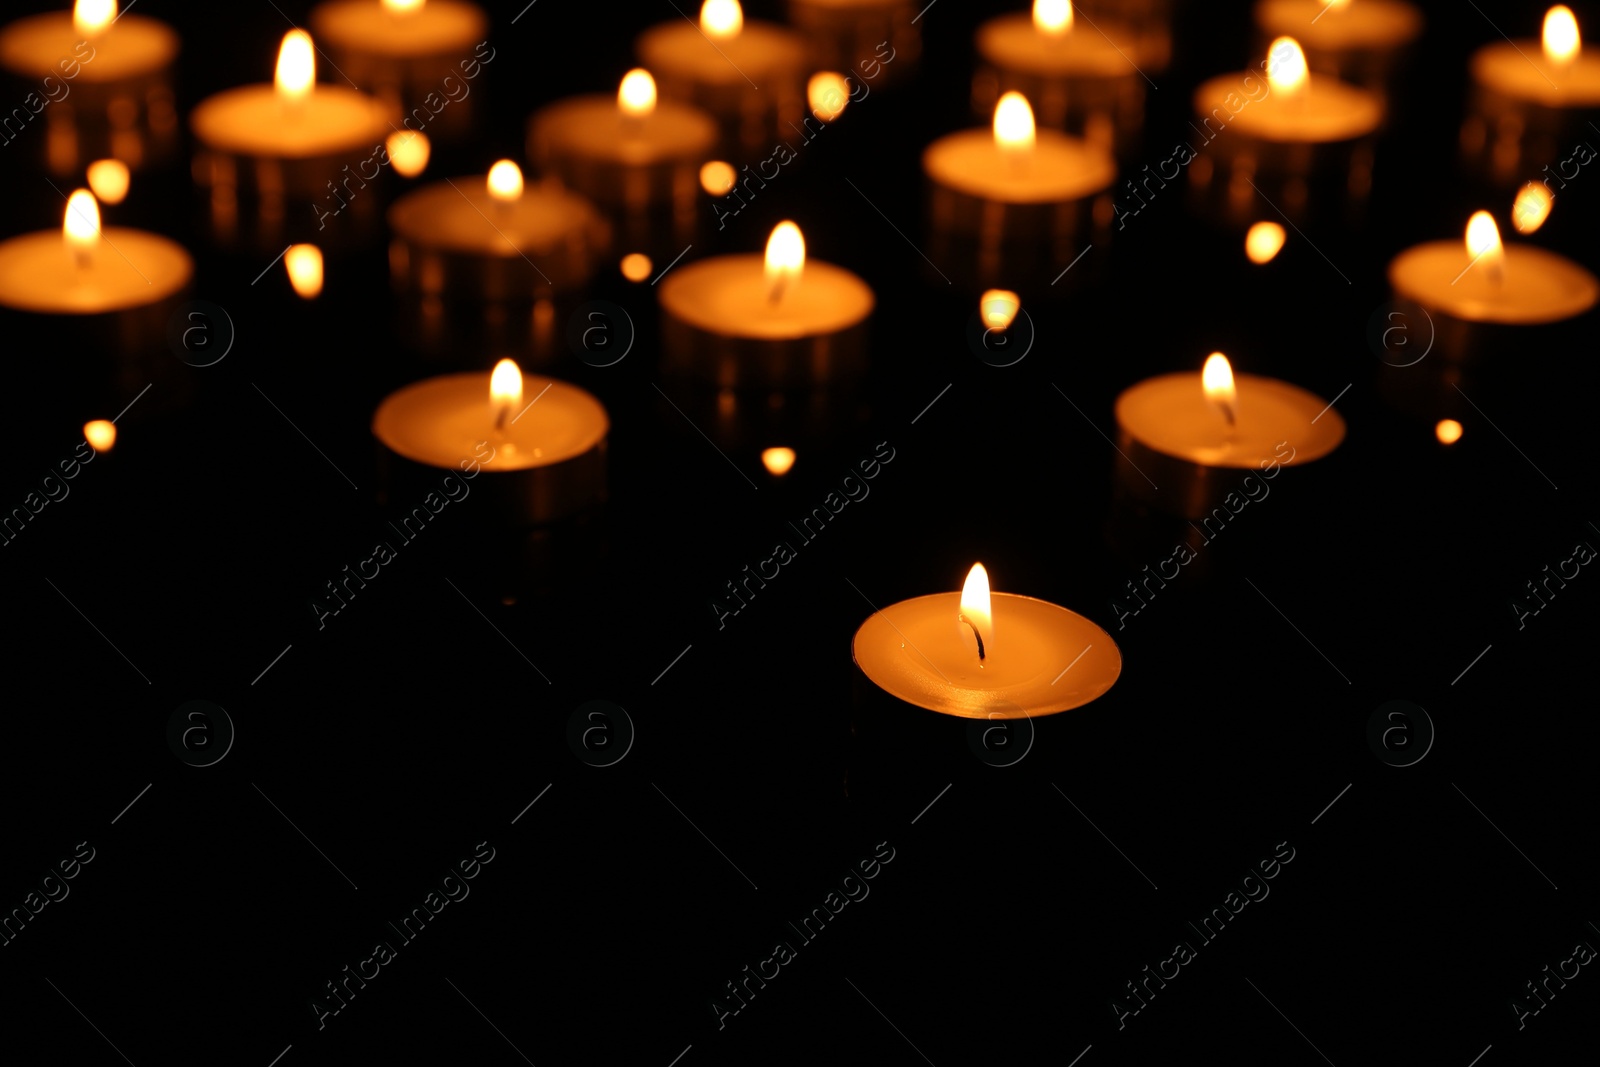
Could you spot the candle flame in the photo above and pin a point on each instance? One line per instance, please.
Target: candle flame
(297, 66)
(1483, 242)
(636, 266)
(1286, 67)
(1264, 241)
(101, 434)
(636, 96)
(1448, 431)
(90, 17)
(1052, 17)
(786, 258)
(1335, 4)
(505, 385)
(505, 181)
(82, 222)
(998, 308)
(1561, 41)
(721, 19)
(1013, 123)
(1533, 205)
(304, 263)
(717, 177)
(109, 180)
(976, 616)
(403, 7)
(409, 151)
(777, 461)
(1216, 378)
(827, 93)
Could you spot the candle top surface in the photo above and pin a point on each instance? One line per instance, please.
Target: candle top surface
(459, 215)
(253, 120)
(1536, 286)
(594, 127)
(131, 46)
(1170, 414)
(1360, 24)
(440, 422)
(1059, 167)
(126, 269)
(730, 295)
(1041, 658)
(680, 50)
(1521, 70)
(1013, 42)
(439, 26)
(1326, 111)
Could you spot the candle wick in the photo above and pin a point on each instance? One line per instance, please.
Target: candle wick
(975, 633)
(775, 296)
(500, 419)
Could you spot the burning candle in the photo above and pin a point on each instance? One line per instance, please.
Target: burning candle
(857, 35)
(294, 152)
(1015, 201)
(1531, 102)
(772, 321)
(542, 443)
(1187, 442)
(1271, 138)
(981, 655)
(116, 71)
(1078, 78)
(636, 156)
(1359, 41)
(749, 75)
(486, 257)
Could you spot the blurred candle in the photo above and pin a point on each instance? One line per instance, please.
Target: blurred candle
(1363, 42)
(857, 36)
(304, 264)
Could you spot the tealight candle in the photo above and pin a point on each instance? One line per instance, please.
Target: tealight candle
(750, 75)
(103, 81)
(634, 155)
(487, 256)
(1271, 140)
(1078, 78)
(1359, 41)
(1187, 441)
(286, 150)
(1016, 201)
(414, 55)
(544, 457)
(774, 321)
(857, 35)
(982, 655)
(1531, 101)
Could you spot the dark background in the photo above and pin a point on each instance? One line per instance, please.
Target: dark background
(416, 724)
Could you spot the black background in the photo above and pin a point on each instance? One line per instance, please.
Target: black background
(415, 724)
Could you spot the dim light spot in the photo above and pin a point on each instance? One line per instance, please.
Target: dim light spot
(109, 179)
(101, 434)
(304, 263)
(717, 177)
(828, 92)
(998, 308)
(1264, 241)
(1448, 431)
(1533, 205)
(505, 181)
(636, 266)
(777, 461)
(409, 152)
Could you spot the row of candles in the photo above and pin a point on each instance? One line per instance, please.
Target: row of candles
(778, 320)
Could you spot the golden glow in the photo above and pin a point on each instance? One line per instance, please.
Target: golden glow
(101, 434)
(636, 96)
(90, 17)
(403, 7)
(409, 151)
(1286, 67)
(1264, 241)
(786, 258)
(82, 222)
(721, 19)
(1483, 243)
(505, 385)
(297, 66)
(777, 461)
(109, 180)
(636, 266)
(1561, 41)
(998, 308)
(827, 94)
(1052, 17)
(505, 181)
(1216, 378)
(1013, 124)
(1534, 201)
(1335, 4)
(717, 177)
(304, 263)
(1448, 431)
(976, 616)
